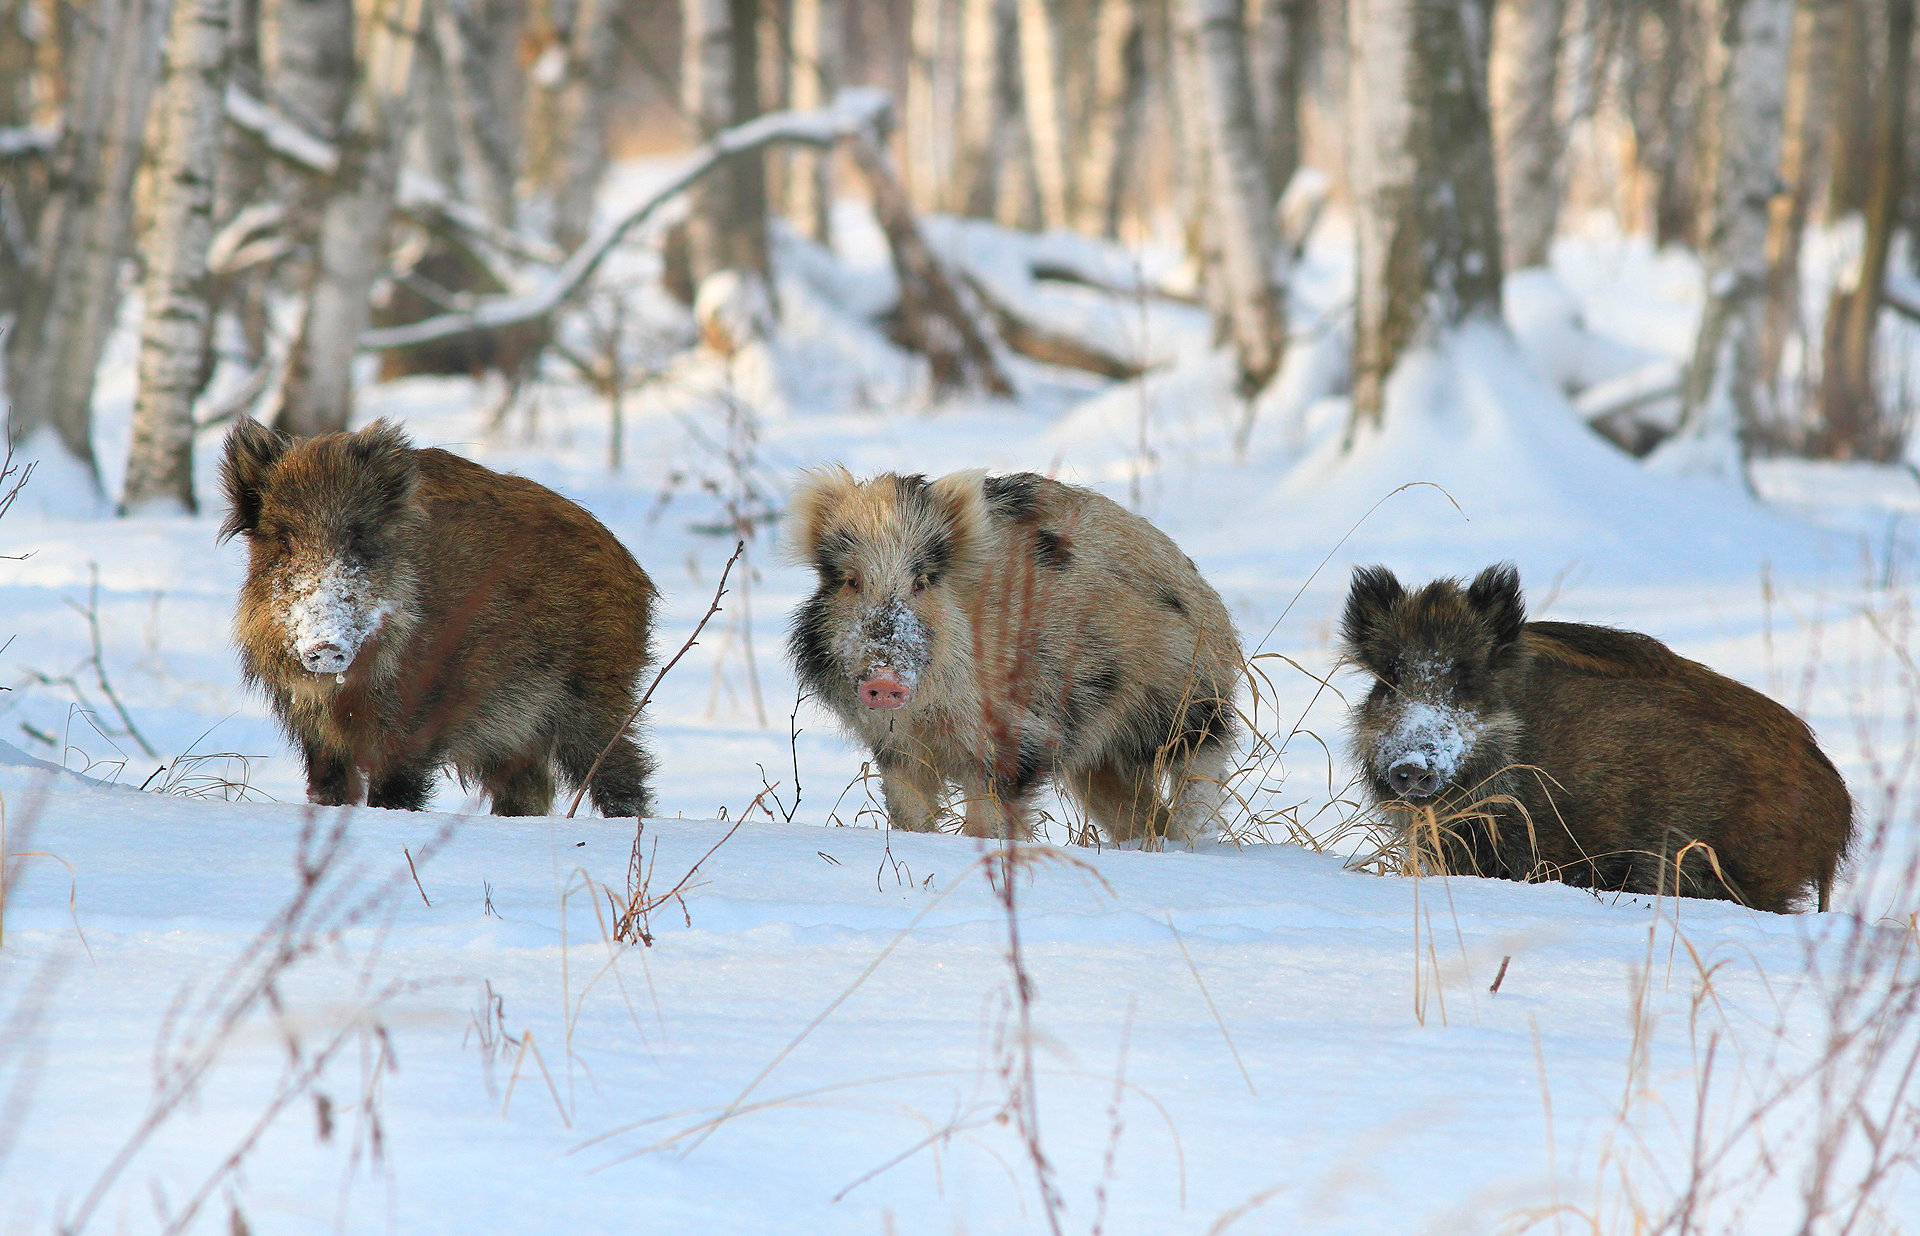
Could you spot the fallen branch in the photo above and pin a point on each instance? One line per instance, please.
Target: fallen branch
(852, 112)
(1050, 347)
(1659, 380)
(739, 548)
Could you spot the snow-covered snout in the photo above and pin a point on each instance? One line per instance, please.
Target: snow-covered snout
(330, 606)
(885, 649)
(1433, 717)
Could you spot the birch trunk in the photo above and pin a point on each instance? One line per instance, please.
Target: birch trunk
(477, 40)
(1526, 136)
(66, 310)
(923, 111)
(584, 99)
(1809, 113)
(1117, 93)
(1040, 94)
(1854, 425)
(318, 393)
(178, 311)
(816, 75)
(1282, 33)
(988, 84)
(1727, 409)
(726, 221)
(1423, 184)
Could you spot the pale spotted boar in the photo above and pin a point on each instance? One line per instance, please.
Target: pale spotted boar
(993, 633)
(1555, 750)
(406, 609)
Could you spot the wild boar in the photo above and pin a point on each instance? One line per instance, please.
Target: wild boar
(1593, 756)
(997, 632)
(405, 609)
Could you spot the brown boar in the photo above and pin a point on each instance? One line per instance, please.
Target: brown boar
(406, 609)
(1598, 757)
(995, 632)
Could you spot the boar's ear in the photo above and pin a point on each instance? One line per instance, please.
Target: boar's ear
(252, 450)
(960, 499)
(817, 493)
(1495, 596)
(1374, 593)
(384, 454)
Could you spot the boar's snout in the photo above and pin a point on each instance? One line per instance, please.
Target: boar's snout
(1413, 779)
(325, 657)
(885, 689)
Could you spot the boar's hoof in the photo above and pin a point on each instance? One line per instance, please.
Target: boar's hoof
(326, 658)
(884, 689)
(1409, 779)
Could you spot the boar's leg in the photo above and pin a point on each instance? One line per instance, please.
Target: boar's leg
(912, 787)
(619, 787)
(995, 812)
(407, 788)
(1684, 868)
(332, 780)
(518, 785)
(1123, 801)
(1199, 786)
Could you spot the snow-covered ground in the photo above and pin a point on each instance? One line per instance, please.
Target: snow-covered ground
(211, 1006)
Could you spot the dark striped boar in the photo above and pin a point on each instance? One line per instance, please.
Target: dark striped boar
(997, 632)
(1558, 751)
(406, 609)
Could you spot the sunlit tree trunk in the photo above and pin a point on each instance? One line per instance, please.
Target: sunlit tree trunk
(65, 312)
(582, 106)
(1526, 136)
(1423, 183)
(318, 394)
(1854, 424)
(477, 40)
(727, 219)
(1808, 117)
(989, 91)
(178, 310)
(1117, 90)
(816, 74)
(923, 119)
(1040, 95)
(1282, 34)
(1727, 408)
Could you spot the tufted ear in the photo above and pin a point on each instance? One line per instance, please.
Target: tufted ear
(252, 451)
(961, 503)
(817, 493)
(384, 455)
(1495, 596)
(1370, 602)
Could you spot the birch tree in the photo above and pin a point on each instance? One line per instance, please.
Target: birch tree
(1525, 60)
(1282, 33)
(816, 75)
(65, 309)
(922, 112)
(1853, 423)
(989, 90)
(1117, 94)
(478, 40)
(317, 396)
(726, 222)
(1803, 152)
(583, 100)
(1423, 184)
(178, 309)
(1239, 201)
(1727, 407)
(1040, 96)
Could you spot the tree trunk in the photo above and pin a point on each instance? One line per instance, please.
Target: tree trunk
(474, 38)
(174, 336)
(66, 311)
(1666, 61)
(989, 87)
(1526, 137)
(1853, 110)
(1282, 33)
(1854, 425)
(1423, 183)
(584, 100)
(816, 75)
(922, 112)
(727, 216)
(1041, 98)
(317, 397)
(1808, 116)
(1727, 409)
(1112, 126)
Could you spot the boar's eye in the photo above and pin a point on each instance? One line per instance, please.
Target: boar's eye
(853, 582)
(919, 585)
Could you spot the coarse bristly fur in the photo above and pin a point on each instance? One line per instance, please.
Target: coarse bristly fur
(405, 609)
(1598, 757)
(1043, 631)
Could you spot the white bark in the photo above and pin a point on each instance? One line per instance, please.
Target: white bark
(66, 310)
(816, 75)
(583, 102)
(1423, 184)
(923, 120)
(318, 394)
(988, 82)
(1239, 200)
(474, 37)
(1113, 116)
(726, 222)
(1526, 135)
(1725, 399)
(1279, 33)
(1040, 94)
(175, 332)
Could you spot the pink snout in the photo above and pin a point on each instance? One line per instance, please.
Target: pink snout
(883, 689)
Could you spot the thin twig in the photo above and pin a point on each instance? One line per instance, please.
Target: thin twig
(1217, 1020)
(423, 892)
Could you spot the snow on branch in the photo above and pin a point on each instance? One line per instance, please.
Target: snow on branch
(27, 140)
(853, 111)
